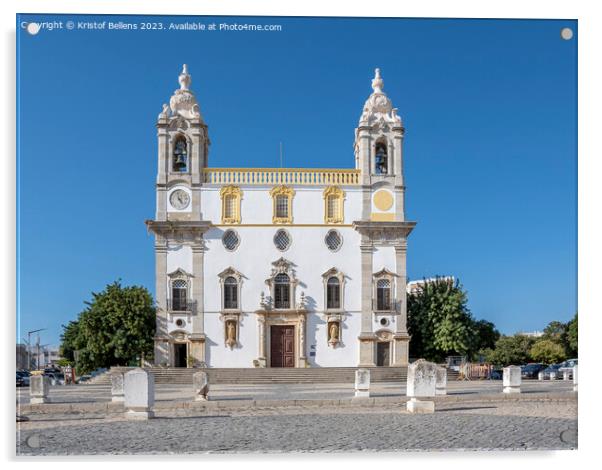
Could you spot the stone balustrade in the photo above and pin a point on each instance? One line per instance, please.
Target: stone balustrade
(288, 176)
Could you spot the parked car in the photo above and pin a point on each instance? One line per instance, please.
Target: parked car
(22, 378)
(56, 378)
(552, 368)
(496, 373)
(84, 378)
(568, 365)
(530, 371)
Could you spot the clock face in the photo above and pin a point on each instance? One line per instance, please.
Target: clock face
(179, 199)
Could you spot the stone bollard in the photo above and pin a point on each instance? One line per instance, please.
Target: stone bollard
(421, 384)
(139, 388)
(540, 375)
(200, 384)
(117, 387)
(552, 375)
(38, 389)
(512, 379)
(575, 378)
(441, 381)
(566, 374)
(362, 383)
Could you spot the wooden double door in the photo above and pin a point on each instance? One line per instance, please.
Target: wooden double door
(282, 346)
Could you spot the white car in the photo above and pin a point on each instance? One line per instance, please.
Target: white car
(568, 365)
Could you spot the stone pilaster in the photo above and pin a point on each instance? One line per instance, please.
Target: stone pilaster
(262, 333)
(161, 346)
(366, 337)
(197, 338)
(302, 352)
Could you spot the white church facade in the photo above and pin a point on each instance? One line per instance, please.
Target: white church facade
(263, 267)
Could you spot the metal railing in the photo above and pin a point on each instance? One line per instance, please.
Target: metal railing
(178, 306)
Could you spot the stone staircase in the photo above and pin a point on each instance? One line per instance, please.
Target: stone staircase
(181, 375)
(176, 375)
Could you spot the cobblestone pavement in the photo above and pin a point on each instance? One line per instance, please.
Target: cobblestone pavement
(455, 426)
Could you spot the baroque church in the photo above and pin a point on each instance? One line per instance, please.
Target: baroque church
(280, 267)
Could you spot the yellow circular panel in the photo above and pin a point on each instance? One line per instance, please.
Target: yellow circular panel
(383, 200)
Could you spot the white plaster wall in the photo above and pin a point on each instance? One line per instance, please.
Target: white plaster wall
(253, 259)
(384, 257)
(241, 355)
(346, 354)
(179, 257)
(256, 252)
(256, 204)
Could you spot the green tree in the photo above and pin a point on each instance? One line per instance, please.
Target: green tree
(116, 328)
(572, 339)
(439, 320)
(71, 340)
(511, 350)
(547, 352)
(556, 331)
(486, 335)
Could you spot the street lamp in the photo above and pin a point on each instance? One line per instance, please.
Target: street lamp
(29, 346)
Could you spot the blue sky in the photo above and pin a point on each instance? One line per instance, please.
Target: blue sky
(489, 106)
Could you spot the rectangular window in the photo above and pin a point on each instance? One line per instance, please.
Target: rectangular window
(229, 207)
(179, 300)
(383, 298)
(282, 296)
(282, 206)
(333, 296)
(332, 207)
(230, 296)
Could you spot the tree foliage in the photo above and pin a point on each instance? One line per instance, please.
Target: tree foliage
(511, 350)
(547, 352)
(572, 340)
(115, 328)
(486, 335)
(439, 321)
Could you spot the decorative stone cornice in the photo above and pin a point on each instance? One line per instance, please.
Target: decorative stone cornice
(378, 231)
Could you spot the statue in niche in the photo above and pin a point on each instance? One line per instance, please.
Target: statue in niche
(230, 334)
(333, 332)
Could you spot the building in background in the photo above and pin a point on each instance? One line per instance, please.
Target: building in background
(283, 267)
(22, 360)
(414, 287)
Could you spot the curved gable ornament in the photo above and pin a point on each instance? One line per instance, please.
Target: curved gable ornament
(179, 274)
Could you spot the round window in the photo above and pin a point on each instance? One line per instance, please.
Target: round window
(333, 240)
(282, 240)
(230, 240)
(180, 323)
(384, 321)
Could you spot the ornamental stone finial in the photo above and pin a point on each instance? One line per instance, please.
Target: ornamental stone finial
(377, 82)
(184, 79)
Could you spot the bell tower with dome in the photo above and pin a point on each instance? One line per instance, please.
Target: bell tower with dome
(378, 150)
(183, 147)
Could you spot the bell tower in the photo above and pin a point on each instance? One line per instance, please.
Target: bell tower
(183, 144)
(378, 151)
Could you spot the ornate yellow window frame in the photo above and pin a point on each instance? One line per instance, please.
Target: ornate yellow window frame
(338, 193)
(236, 193)
(289, 193)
